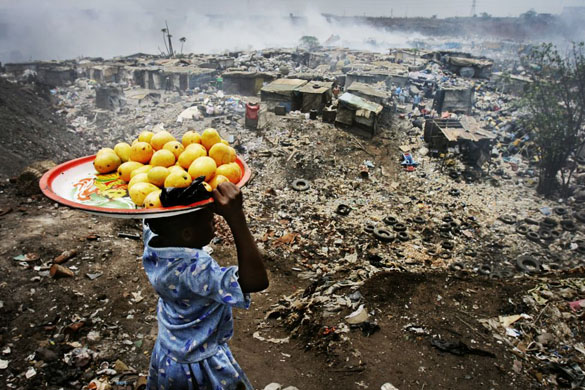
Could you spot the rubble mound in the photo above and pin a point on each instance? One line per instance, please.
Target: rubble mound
(31, 129)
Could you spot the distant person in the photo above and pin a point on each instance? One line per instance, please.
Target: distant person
(416, 101)
(197, 295)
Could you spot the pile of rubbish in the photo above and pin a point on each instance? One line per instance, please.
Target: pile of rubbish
(406, 161)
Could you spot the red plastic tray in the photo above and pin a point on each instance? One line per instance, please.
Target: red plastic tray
(76, 184)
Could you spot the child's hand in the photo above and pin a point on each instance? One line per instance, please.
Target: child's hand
(228, 201)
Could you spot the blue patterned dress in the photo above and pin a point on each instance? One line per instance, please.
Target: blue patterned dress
(194, 320)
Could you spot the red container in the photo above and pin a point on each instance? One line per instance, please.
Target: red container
(252, 111)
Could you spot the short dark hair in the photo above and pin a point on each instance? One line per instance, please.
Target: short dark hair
(161, 226)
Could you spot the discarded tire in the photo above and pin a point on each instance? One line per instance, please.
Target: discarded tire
(561, 210)
(399, 227)
(533, 236)
(454, 192)
(445, 227)
(403, 236)
(528, 264)
(485, 269)
(445, 255)
(447, 245)
(530, 221)
(457, 266)
(549, 223)
(343, 209)
(453, 174)
(419, 220)
(369, 227)
(568, 225)
(545, 235)
(508, 219)
(447, 219)
(555, 266)
(470, 253)
(383, 235)
(300, 185)
(555, 234)
(390, 220)
(522, 229)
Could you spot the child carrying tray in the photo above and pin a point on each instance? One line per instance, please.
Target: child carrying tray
(197, 295)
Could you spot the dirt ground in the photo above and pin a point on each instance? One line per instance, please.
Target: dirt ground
(36, 313)
(109, 306)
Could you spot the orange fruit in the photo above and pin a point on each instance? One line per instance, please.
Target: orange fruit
(139, 191)
(142, 169)
(160, 139)
(191, 153)
(178, 180)
(139, 178)
(105, 150)
(174, 147)
(222, 154)
(162, 158)
(207, 186)
(122, 149)
(232, 171)
(176, 168)
(126, 169)
(203, 166)
(217, 180)
(210, 137)
(152, 200)
(191, 137)
(145, 136)
(157, 175)
(197, 147)
(106, 162)
(141, 152)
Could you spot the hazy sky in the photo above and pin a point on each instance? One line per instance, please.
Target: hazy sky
(410, 7)
(61, 29)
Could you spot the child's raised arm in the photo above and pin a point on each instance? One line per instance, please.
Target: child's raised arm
(229, 204)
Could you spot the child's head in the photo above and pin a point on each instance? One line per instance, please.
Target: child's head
(193, 230)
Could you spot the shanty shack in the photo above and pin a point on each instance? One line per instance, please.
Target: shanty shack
(316, 95)
(283, 92)
(394, 75)
(510, 83)
(468, 66)
(357, 112)
(454, 99)
(245, 83)
(472, 141)
(368, 92)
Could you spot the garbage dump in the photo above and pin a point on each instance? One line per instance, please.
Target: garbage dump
(395, 194)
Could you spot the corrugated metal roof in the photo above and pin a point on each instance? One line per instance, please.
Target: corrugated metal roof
(366, 90)
(466, 128)
(284, 85)
(358, 103)
(317, 87)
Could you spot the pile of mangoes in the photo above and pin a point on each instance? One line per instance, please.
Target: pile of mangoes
(157, 160)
